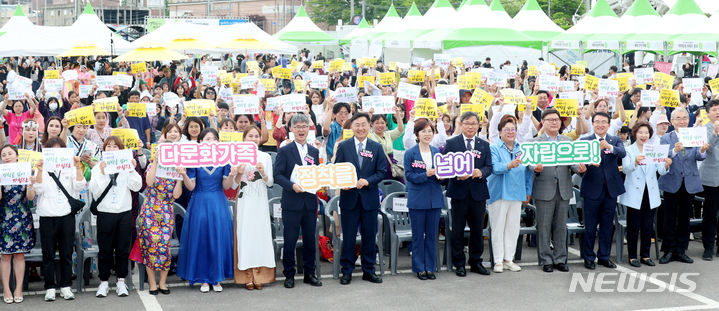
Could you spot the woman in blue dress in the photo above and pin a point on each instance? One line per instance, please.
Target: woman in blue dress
(206, 241)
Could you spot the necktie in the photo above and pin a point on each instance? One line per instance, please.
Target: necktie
(359, 157)
(469, 144)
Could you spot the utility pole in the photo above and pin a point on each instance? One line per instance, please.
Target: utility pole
(352, 9)
(363, 8)
(549, 8)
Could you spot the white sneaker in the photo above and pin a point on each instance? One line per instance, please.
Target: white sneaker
(204, 288)
(102, 289)
(121, 288)
(50, 294)
(511, 266)
(498, 268)
(66, 293)
(217, 288)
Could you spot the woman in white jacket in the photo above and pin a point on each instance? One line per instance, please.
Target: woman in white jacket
(57, 222)
(642, 196)
(114, 218)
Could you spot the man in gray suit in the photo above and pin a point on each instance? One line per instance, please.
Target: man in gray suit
(552, 190)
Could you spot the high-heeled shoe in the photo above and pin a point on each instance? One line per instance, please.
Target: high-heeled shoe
(8, 300)
(258, 286)
(250, 286)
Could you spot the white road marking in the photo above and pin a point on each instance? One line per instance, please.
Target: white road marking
(148, 301)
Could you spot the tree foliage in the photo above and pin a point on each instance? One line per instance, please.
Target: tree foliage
(329, 11)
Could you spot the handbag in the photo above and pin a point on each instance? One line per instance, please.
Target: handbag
(397, 170)
(75, 204)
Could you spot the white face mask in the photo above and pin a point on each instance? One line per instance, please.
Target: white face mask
(53, 106)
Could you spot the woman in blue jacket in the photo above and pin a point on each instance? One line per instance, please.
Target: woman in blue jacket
(425, 200)
(509, 185)
(642, 196)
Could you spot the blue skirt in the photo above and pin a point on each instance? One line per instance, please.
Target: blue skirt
(206, 250)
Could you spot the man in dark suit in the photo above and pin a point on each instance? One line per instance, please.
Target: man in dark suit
(360, 206)
(299, 208)
(469, 196)
(601, 185)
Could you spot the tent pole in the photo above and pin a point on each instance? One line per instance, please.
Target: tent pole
(581, 50)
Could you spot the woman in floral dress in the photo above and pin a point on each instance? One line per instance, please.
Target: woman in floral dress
(16, 230)
(157, 221)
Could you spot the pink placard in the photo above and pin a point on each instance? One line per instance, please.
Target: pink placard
(663, 67)
(189, 154)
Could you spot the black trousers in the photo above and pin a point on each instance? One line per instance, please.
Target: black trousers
(709, 217)
(467, 212)
(640, 220)
(677, 211)
(114, 238)
(293, 221)
(57, 234)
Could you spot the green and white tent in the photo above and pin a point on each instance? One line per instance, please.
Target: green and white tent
(439, 17)
(302, 30)
(641, 21)
(389, 23)
(685, 23)
(472, 10)
(17, 21)
(592, 31)
(533, 22)
(412, 20)
(362, 29)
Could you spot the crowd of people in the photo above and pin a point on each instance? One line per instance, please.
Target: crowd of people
(135, 209)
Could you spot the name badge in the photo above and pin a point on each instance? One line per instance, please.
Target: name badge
(477, 154)
(419, 164)
(518, 155)
(366, 154)
(309, 160)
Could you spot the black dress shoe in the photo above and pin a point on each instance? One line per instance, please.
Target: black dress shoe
(667, 258)
(548, 268)
(634, 262)
(165, 291)
(371, 277)
(589, 264)
(561, 267)
(607, 263)
(479, 269)
(648, 262)
(683, 258)
(460, 271)
(346, 279)
(422, 276)
(290, 282)
(430, 275)
(708, 254)
(312, 280)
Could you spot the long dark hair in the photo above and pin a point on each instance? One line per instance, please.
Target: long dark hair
(45, 135)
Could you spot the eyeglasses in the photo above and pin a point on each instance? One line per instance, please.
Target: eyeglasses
(509, 130)
(552, 119)
(601, 122)
(470, 123)
(300, 127)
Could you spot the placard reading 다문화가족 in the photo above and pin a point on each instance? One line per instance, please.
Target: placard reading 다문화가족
(560, 153)
(190, 154)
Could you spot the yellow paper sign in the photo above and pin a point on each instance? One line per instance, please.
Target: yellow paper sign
(466, 82)
(136, 110)
(336, 65)
(476, 108)
(628, 114)
(426, 108)
(705, 117)
(269, 85)
(231, 137)
(476, 77)
(368, 62)
(668, 97)
(347, 133)
(415, 76)
(567, 107)
(457, 62)
(513, 96)
(107, 104)
(253, 65)
(583, 63)
(199, 107)
(437, 74)
(578, 69)
(226, 78)
(480, 96)
(623, 83)
(386, 78)
(362, 79)
(295, 65)
(129, 137)
(52, 74)
(534, 104)
(82, 115)
(714, 85)
(29, 156)
(347, 67)
(591, 83)
(318, 64)
(281, 73)
(443, 109)
(139, 67)
(299, 85)
(532, 71)
(663, 81)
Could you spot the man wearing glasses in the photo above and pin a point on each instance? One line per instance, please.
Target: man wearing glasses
(601, 185)
(469, 196)
(552, 190)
